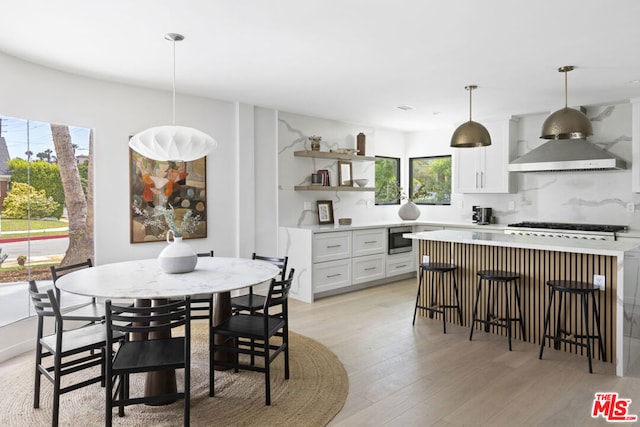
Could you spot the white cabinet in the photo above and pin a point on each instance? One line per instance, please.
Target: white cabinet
(400, 264)
(368, 268)
(331, 246)
(485, 169)
(369, 241)
(331, 275)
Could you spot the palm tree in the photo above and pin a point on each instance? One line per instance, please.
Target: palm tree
(80, 225)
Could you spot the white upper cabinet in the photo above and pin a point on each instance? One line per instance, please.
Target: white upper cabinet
(485, 169)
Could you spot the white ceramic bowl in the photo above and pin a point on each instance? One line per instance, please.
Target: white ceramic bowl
(361, 182)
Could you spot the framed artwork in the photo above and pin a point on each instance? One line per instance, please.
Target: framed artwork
(345, 176)
(156, 184)
(325, 212)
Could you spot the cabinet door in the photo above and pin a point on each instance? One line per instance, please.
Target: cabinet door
(400, 264)
(369, 241)
(466, 169)
(331, 275)
(494, 159)
(485, 169)
(368, 268)
(331, 246)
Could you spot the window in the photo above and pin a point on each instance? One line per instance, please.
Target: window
(33, 222)
(430, 179)
(387, 180)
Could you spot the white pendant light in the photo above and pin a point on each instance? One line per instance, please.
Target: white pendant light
(173, 143)
(470, 134)
(566, 123)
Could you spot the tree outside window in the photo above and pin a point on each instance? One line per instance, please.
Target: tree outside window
(387, 180)
(430, 179)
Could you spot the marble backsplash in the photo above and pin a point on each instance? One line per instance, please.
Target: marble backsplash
(584, 197)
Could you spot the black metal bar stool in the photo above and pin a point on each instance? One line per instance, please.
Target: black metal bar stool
(507, 279)
(584, 290)
(438, 307)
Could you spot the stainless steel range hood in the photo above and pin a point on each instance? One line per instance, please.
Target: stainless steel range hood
(566, 155)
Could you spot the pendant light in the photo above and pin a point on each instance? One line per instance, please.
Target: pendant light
(566, 123)
(470, 134)
(173, 143)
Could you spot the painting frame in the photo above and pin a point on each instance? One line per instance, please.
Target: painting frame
(325, 212)
(345, 174)
(181, 185)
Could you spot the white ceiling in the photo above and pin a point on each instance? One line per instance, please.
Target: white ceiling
(352, 60)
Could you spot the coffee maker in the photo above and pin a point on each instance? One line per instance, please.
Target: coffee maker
(481, 216)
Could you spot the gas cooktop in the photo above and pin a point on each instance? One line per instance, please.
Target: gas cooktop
(606, 228)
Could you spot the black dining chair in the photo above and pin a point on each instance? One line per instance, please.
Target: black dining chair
(69, 351)
(253, 335)
(200, 302)
(251, 301)
(155, 354)
(89, 312)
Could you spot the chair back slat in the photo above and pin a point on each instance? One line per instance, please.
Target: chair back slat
(278, 292)
(59, 271)
(41, 302)
(148, 319)
(281, 263)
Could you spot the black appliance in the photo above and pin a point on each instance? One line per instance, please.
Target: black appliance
(398, 244)
(567, 230)
(481, 216)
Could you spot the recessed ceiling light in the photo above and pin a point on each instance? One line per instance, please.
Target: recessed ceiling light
(405, 107)
(635, 82)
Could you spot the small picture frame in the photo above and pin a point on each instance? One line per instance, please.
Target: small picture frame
(325, 212)
(345, 175)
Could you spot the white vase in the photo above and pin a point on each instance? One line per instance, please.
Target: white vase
(177, 257)
(409, 211)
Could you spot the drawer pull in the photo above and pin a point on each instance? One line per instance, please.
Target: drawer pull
(333, 246)
(334, 275)
(401, 266)
(370, 268)
(371, 241)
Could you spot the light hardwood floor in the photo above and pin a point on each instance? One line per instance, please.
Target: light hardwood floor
(400, 375)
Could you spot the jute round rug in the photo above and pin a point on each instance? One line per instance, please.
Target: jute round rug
(313, 395)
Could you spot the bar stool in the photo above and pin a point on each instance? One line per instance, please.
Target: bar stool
(508, 280)
(584, 290)
(434, 307)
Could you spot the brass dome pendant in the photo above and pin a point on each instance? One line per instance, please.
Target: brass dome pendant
(566, 123)
(470, 134)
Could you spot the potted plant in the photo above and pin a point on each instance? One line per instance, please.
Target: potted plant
(409, 210)
(315, 142)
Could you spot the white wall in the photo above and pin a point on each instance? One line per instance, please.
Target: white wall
(115, 112)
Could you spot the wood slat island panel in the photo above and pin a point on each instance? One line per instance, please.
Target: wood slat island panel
(535, 268)
(538, 260)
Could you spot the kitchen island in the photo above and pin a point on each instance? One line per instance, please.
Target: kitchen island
(539, 259)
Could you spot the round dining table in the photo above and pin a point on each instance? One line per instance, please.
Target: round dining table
(143, 281)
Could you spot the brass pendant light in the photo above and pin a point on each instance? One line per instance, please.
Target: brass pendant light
(470, 134)
(566, 123)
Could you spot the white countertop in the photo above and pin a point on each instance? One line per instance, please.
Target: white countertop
(356, 225)
(599, 247)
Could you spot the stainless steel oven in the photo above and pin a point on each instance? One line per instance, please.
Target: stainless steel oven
(398, 244)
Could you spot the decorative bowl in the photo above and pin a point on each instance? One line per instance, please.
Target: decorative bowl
(361, 182)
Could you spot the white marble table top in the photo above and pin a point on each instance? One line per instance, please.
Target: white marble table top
(144, 279)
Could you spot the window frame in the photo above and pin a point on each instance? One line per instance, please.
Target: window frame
(398, 161)
(411, 162)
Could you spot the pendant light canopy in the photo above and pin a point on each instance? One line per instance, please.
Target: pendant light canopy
(173, 143)
(470, 134)
(566, 123)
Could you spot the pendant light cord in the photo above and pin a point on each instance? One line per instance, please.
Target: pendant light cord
(174, 81)
(470, 103)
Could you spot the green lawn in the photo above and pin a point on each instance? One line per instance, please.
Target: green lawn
(8, 228)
